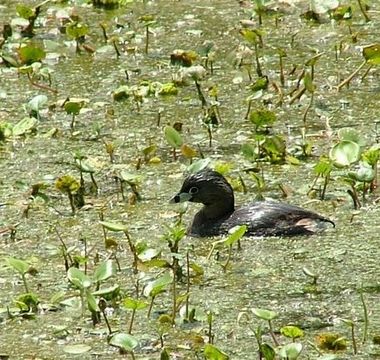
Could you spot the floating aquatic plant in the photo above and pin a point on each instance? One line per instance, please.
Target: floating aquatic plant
(77, 31)
(22, 267)
(174, 139)
(71, 187)
(73, 108)
(125, 342)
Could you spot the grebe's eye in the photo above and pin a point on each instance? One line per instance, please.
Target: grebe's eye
(193, 190)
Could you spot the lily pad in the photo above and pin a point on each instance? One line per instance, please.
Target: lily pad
(290, 351)
(105, 271)
(264, 314)
(345, 153)
(124, 341)
(365, 173)
(24, 125)
(173, 137)
(211, 352)
(372, 54)
(116, 227)
(351, 134)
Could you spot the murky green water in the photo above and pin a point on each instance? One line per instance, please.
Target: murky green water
(266, 273)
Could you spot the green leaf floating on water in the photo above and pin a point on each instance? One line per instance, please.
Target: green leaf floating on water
(134, 304)
(290, 351)
(198, 165)
(365, 173)
(268, 352)
(351, 134)
(262, 118)
(211, 352)
(345, 153)
(124, 341)
(236, 234)
(156, 286)
(24, 125)
(264, 314)
(30, 54)
(76, 30)
(105, 271)
(116, 227)
(168, 89)
(37, 103)
(73, 107)
(292, 331)
(372, 54)
(91, 302)
(19, 265)
(308, 82)
(24, 11)
(173, 137)
(78, 278)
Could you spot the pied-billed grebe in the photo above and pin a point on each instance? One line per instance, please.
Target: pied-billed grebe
(219, 215)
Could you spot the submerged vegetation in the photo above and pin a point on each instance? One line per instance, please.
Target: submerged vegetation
(106, 103)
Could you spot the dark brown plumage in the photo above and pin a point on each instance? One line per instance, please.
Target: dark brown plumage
(219, 215)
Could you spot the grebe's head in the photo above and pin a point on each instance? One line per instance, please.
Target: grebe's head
(207, 187)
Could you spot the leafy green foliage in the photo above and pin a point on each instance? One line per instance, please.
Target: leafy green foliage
(343, 12)
(274, 148)
(323, 167)
(24, 11)
(136, 139)
(78, 278)
(372, 54)
(211, 352)
(236, 235)
(372, 155)
(27, 124)
(134, 304)
(76, 30)
(73, 107)
(251, 36)
(292, 332)
(36, 104)
(264, 314)
(249, 151)
(27, 302)
(30, 54)
(115, 227)
(331, 341)
(125, 342)
(67, 184)
(345, 153)
(262, 118)
(267, 351)
(155, 287)
(364, 173)
(350, 134)
(290, 351)
(19, 265)
(173, 137)
(308, 81)
(104, 271)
